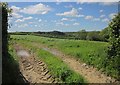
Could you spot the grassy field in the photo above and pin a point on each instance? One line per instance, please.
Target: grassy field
(91, 52)
(55, 65)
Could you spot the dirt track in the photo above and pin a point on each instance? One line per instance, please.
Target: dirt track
(91, 74)
(34, 70)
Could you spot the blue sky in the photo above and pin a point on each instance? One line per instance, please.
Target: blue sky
(60, 16)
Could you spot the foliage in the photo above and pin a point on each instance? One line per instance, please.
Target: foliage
(114, 50)
(82, 34)
(4, 28)
(94, 36)
(10, 68)
(105, 34)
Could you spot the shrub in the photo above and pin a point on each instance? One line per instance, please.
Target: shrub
(113, 58)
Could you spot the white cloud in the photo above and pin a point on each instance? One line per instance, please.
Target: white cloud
(19, 20)
(66, 24)
(80, 8)
(80, 15)
(108, 3)
(105, 20)
(16, 15)
(61, 23)
(22, 20)
(76, 24)
(73, 20)
(27, 18)
(36, 9)
(101, 11)
(58, 2)
(31, 22)
(22, 25)
(15, 9)
(102, 16)
(69, 6)
(112, 15)
(71, 13)
(96, 19)
(64, 19)
(25, 25)
(36, 25)
(89, 17)
(36, 18)
(53, 20)
(40, 20)
(67, 19)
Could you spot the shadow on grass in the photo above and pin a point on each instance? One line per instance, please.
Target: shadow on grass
(11, 72)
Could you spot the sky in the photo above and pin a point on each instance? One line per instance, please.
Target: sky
(60, 16)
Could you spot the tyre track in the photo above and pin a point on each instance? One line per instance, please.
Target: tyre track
(33, 69)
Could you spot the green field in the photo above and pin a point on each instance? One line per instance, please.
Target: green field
(91, 52)
(56, 66)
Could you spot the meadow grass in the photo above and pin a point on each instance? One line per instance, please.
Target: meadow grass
(91, 52)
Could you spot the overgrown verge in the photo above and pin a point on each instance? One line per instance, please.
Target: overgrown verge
(56, 66)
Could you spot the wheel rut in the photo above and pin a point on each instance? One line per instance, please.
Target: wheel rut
(33, 69)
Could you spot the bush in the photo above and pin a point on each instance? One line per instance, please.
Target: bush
(114, 50)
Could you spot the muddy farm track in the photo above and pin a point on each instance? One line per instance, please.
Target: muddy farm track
(33, 69)
(91, 74)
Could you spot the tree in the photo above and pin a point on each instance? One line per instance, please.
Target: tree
(94, 35)
(4, 28)
(114, 49)
(82, 34)
(105, 34)
(5, 11)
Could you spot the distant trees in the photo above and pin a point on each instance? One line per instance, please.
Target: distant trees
(94, 36)
(105, 34)
(82, 34)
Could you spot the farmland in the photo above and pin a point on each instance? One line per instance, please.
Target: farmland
(93, 53)
(60, 43)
